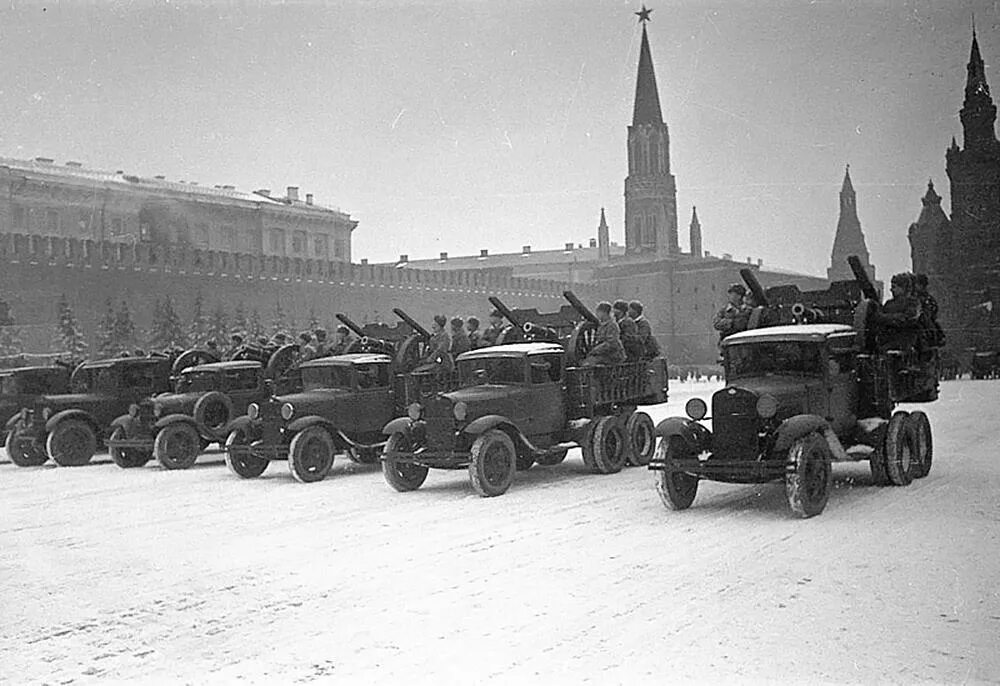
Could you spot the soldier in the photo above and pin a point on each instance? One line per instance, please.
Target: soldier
(235, 343)
(492, 332)
(898, 320)
(472, 331)
(731, 318)
(437, 346)
(307, 349)
(342, 342)
(459, 341)
(213, 348)
(934, 334)
(650, 346)
(279, 339)
(322, 346)
(628, 330)
(608, 345)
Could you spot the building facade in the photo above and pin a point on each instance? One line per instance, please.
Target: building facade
(70, 201)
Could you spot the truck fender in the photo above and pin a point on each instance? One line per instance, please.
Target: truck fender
(796, 427)
(82, 415)
(399, 425)
(695, 435)
(311, 420)
(169, 419)
(121, 422)
(12, 422)
(485, 423)
(242, 422)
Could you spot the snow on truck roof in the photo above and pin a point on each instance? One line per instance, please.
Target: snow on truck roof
(512, 350)
(350, 358)
(223, 366)
(789, 332)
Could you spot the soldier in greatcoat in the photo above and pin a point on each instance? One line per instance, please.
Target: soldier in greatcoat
(492, 331)
(650, 346)
(628, 330)
(607, 343)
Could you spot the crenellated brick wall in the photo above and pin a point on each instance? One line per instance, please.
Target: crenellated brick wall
(35, 270)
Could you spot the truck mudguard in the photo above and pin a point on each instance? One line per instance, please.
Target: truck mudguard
(796, 427)
(696, 436)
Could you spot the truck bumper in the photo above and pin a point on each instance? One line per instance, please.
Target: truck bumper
(718, 468)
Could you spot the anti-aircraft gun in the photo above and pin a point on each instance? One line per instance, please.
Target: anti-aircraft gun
(584, 335)
(411, 350)
(521, 329)
(365, 343)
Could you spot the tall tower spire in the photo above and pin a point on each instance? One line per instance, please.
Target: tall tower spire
(650, 188)
(978, 111)
(849, 240)
(695, 234)
(603, 239)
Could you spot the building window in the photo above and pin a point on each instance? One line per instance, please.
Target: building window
(201, 240)
(52, 222)
(229, 238)
(321, 246)
(298, 242)
(17, 217)
(276, 241)
(116, 227)
(339, 249)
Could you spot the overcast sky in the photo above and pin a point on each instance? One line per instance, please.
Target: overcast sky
(495, 124)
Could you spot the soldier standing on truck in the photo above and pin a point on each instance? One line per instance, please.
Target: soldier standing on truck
(492, 332)
(898, 319)
(650, 346)
(607, 344)
(733, 317)
(322, 346)
(459, 341)
(343, 341)
(628, 330)
(928, 312)
(472, 331)
(437, 346)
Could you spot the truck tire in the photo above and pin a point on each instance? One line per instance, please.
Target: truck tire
(177, 446)
(402, 476)
(72, 443)
(243, 465)
(552, 458)
(677, 489)
(311, 455)
(809, 475)
(32, 456)
(877, 462)
(127, 458)
(212, 413)
(900, 449)
(924, 442)
(605, 445)
(640, 439)
(493, 464)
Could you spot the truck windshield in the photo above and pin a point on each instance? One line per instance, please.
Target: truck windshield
(491, 370)
(314, 378)
(773, 358)
(191, 382)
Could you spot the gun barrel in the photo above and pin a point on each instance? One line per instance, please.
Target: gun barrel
(414, 324)
(581, 308)
(504, 310)
(861, 276)
(754, 285)
(346, 321)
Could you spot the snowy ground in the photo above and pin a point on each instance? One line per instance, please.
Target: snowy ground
(198, 577)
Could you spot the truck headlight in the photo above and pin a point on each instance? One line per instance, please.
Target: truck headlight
(253, 411)
(461, 411)
(696, 408)
(413, 411)
(46, 413)
(157, 410)
(767, 406)
(287, 411)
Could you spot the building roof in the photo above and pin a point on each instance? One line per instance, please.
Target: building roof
(790, 332)
(647, 99)
(577, 254)
(75, 173)
(512, 350)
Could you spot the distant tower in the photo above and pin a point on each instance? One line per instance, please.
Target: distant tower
(695, 235)
(974, 172)
(849, 239)
(650, 189)
(930, 237)
(603, 239)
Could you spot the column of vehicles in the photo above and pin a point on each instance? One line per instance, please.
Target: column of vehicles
(815, 379)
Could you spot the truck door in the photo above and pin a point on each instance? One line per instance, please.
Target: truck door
(547, 412)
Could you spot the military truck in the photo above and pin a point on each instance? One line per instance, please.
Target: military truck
(69, 427)
(341, 406)
(523, 403)
(797, 398)
(22, 386)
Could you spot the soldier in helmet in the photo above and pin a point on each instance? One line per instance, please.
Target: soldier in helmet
(472, 331)
(307, 349)
(899, 319)
(650, 346)
(459, 341)
(322, 345)
(342, 342)
(437, 346)
(608, 345)
(492, 331)
(628, 330)
(732, 318)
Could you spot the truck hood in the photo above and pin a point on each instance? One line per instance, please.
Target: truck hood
(791, 393)
(178, 403)
(486, 392)
(68, 401)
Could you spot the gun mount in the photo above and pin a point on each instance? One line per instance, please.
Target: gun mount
(513, 333)
(581, 308)
(411, 350)
(365, 343)
(584, 335)
(350, 324)
(863, 280)
(414, 324)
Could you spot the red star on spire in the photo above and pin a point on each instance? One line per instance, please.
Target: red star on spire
(643, 15)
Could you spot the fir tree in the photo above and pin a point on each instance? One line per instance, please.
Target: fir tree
(166, 331)
(198, 328)
(106, 345)
(218, 327)
(313, 320)
(124, 329)
(10, 341)
(240, 323)
(254, 326)
(68, 339)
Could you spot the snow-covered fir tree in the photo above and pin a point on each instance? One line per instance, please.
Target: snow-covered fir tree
(69, 338)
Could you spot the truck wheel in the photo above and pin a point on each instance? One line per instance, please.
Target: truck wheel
(877, 462)
(402, 476)
(31, 456)
(127, 458)
(924, 444)
(900, 450)
(177, 446)
(677, 489)
(494, 462)
(238, 458)
(606, 445)
(72, 443)
(310, 456)
(640, 439)
(552, 458)
(809, 475)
